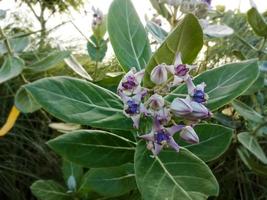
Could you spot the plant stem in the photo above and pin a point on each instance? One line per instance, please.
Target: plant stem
(246, 43)
(96, 68)
(6, 41)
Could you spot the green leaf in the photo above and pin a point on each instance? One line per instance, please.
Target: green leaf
(11, 68)
(247, 112)
(49, 61)
(161, 9)
(49, 190)
(214, 140)
(97, 48)
(25, 102)
(111, 80)
(128, 36)
(72, 171)
(100, 29)
(252, 145)
(224, 83)
(93, 148)
(218, 31)
(186, 38)
(73, 63)
(173, 175)
(17, 44)
(110, 182)
(2, 14)
(156, 31)
(257, 167)
(256, 86)
(257, 22)
(80, 102)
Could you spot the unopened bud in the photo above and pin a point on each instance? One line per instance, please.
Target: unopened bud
(199, 111)
(181, 107)
(159, 74)
(156, 102)
(189, 135)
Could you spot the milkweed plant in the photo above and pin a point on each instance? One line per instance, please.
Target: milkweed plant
(151, 138)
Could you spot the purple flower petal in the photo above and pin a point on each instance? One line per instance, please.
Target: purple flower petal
(174, 129)
(173, 144)
(157, 149)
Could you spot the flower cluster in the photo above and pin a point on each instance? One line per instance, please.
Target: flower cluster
(97, 18)
(180, 115)
(198, 7)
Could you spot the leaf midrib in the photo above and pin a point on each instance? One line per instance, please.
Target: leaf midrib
(76, 100)
(172, 179)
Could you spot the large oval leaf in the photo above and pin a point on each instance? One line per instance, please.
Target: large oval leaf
(214, 140)
(81, 102)
(127, 35)
(93, 148)
(110, 182)
(49, 190)
(186, 38)
(173, 175)
(224, 83)
(11, 68)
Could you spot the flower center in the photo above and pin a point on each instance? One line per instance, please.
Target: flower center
(133, 107)
(181, 70)
(161, 137)
(130, 83)
(199, 96)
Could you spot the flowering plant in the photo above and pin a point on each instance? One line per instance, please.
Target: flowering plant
(121, 151)
(190, 109)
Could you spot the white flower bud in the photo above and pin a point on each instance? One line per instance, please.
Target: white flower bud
(181, 107)
(159, 74)
(189, 135)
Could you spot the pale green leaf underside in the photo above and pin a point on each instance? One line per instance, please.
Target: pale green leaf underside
(156, 31)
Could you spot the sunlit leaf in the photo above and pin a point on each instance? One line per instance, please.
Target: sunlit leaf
(80, 102)
(127, 35)
(224, 83)
(186, 38)
(11, 68)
